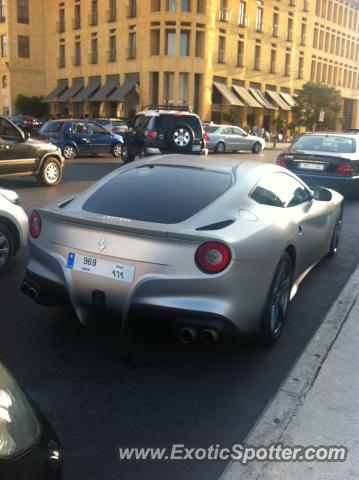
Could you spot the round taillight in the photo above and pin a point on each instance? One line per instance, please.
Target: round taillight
(213, 257)
(35, 224)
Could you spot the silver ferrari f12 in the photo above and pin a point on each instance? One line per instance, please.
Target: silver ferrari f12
(219, 246)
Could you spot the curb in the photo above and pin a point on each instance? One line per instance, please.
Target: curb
(273, 422)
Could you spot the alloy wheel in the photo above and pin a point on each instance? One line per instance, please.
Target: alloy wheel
(4, 249)
(52, 172)
(280, 298)
(181, 137)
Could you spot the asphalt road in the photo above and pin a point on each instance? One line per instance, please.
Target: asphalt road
(102, 392)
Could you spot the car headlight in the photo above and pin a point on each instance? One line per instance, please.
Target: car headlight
(19, 427)
(11, 196)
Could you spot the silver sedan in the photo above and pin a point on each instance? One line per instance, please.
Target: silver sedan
(217, 245)
(228, 138)
(13, 227)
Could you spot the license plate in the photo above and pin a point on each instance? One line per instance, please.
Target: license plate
(311, 166)
(102, 268)
(196, 148)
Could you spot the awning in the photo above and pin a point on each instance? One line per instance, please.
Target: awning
(106, 89)
(246, 97)
(76, 86)
(289, 99)
(258, 95)
(228, 94)
(276, 99)
(119, 94)
(90, 88)
(61, 86)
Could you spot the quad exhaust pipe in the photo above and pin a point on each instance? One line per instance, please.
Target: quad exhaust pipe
(209, 336)
(188, 335)
(29, 291)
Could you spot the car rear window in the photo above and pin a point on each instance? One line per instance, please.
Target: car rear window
(165, 121)
(51, 127)
(158, 193)
(325, 143)
(210, 128)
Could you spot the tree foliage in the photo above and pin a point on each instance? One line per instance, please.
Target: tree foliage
(31, 106)
(314, 99)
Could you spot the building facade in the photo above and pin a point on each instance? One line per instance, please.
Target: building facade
(228, 59)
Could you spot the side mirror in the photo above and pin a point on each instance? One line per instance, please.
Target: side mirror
(322, 194)
(25, 135)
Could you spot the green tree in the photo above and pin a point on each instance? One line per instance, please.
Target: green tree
(314, 99)
(233, 117)
(31, 106)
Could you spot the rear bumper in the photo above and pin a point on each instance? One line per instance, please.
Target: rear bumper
(230, 302)
(346, 185)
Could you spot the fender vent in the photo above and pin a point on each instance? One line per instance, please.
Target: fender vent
(216, 226)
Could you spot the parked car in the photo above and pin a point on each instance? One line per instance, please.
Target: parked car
(21, 155)
(13, 227)
(29, 447)
(228, 138)
(27, 123)
(327, 159)
(81, 137)
(115, 125)
(217, 246)
(164, 130)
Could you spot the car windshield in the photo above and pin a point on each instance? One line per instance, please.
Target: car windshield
(210, 128)
(169, 194)
(51, 127)
(325, 143)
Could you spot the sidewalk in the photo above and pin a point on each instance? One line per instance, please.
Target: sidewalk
(318, 403)
(279, 146)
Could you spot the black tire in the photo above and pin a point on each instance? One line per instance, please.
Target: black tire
(257, 147)
(275, 311)
(69, 152)
(126, 155)
(117, 150)
(180, 138)
(7, 249)
(50, 172)
(220, 147)
(334, 243)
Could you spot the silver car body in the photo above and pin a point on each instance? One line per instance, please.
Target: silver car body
(11, 213)
(162, 256)
(234, 138)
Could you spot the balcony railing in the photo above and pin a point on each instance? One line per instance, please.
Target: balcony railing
(303, 39)
(260, 26)
(93, 58)
(272, 67)
(61, 63)
(111, 56)
(243, 21)
(132, 10)
(93, 18)
(76, 23)
(76, 60)
(221, 55)
(290, 36)
(112, 15)
(257, 63)
(131, 52)
(240, 60)
(224, 15)
(305, 6)
(275, 31)
(60, 27)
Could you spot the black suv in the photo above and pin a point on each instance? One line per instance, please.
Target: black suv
(163, 130)
(21, 155)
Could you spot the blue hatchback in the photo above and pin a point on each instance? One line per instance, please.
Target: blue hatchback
(81, 137)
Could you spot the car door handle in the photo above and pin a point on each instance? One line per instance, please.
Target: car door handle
(300, 229)
(85, 140)
(5, 147)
